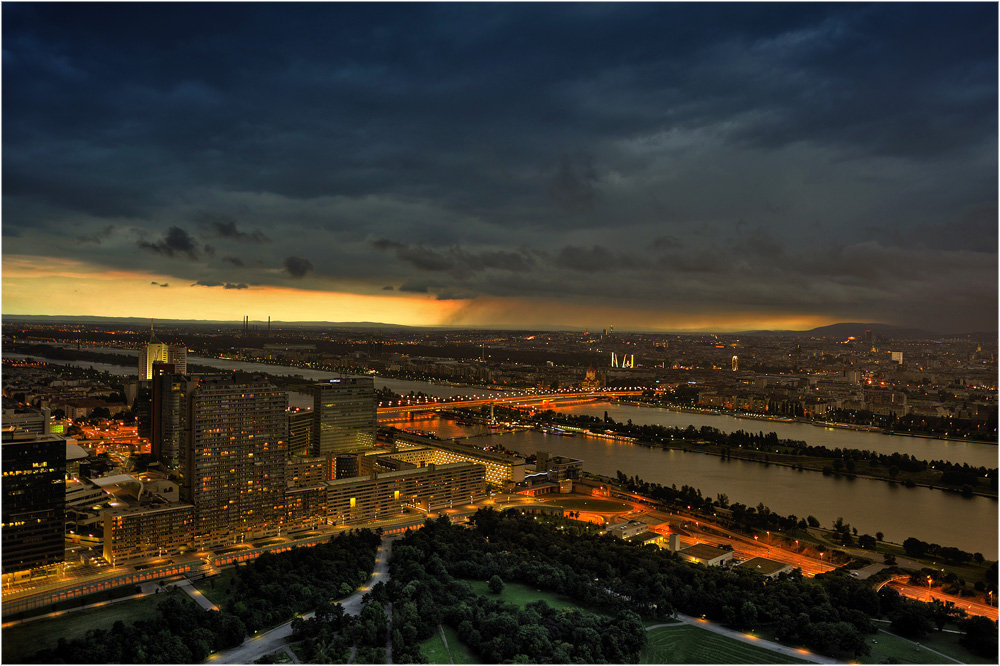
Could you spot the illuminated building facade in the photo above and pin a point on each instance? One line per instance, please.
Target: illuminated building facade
(157, 352)
(300, 429)
(232, 464)
(34, 500)
(501, 469)
(345, 415)
(139, 532)
(382, 495)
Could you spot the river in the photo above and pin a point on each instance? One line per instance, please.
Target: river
(931, 515)
(872, 506)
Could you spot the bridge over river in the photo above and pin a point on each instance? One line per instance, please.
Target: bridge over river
(436, 404)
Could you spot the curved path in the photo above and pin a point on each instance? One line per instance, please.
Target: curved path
(255, 647)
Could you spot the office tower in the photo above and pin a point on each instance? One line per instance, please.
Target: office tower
(300, 427)
(232, 454)
(34, 500)
(346, 418)
(166, 433)
(157, 352)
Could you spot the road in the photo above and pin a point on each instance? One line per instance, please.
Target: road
(255, 647)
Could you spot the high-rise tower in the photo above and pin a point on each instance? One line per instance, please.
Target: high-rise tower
(233, 449)
(157, 352)
(346, 416)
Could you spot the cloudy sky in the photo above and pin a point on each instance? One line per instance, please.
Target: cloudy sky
(648, 166)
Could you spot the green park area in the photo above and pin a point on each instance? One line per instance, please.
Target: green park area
(218, 589)
(687, 644)
(593, 504)
(21, 641)
(522, 595)
(888, 648)
(456, 653)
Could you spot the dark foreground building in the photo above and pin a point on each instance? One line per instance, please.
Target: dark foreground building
(34, 500)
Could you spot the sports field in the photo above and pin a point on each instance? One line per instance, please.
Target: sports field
(685, 644)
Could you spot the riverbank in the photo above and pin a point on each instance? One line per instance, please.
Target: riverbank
(737, 414)
(806, 463)
(770, 450)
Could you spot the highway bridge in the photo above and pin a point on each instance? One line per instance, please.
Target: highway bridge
(436, 404)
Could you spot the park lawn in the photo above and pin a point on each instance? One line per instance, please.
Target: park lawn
(522, 595)
(685, 644)
(433, 648)
(21, 641)
(905, 651)
(220, 594)
(460, 652)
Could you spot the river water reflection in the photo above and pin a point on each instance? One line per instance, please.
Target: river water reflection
(871, 506)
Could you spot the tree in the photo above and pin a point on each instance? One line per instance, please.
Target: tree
(496, 584)
(912, 620)
(980, 635)
(748, 615)
(867, 541)
(813, 521)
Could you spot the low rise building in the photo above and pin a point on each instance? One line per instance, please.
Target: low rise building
(427, 488)
(765, 567)
(708, 555)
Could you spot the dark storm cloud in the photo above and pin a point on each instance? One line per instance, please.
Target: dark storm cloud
(224, 285)
(641, 153)
(175, 242)
(414, 287)
(298, 267)
(457, 260)
(574, 186)
(98, 237)
(224, 226)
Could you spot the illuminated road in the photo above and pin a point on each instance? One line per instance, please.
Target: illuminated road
(923, 594)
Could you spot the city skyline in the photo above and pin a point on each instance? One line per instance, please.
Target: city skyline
(673, 167)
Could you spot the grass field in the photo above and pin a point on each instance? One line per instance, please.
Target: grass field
(460, 654)
(685, 644)
(599, 505)
(219, 594)
(522, 595)
(885, 646)
(23, 640)
(433, 648)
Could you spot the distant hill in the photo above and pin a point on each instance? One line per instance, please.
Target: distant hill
(857, 330)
